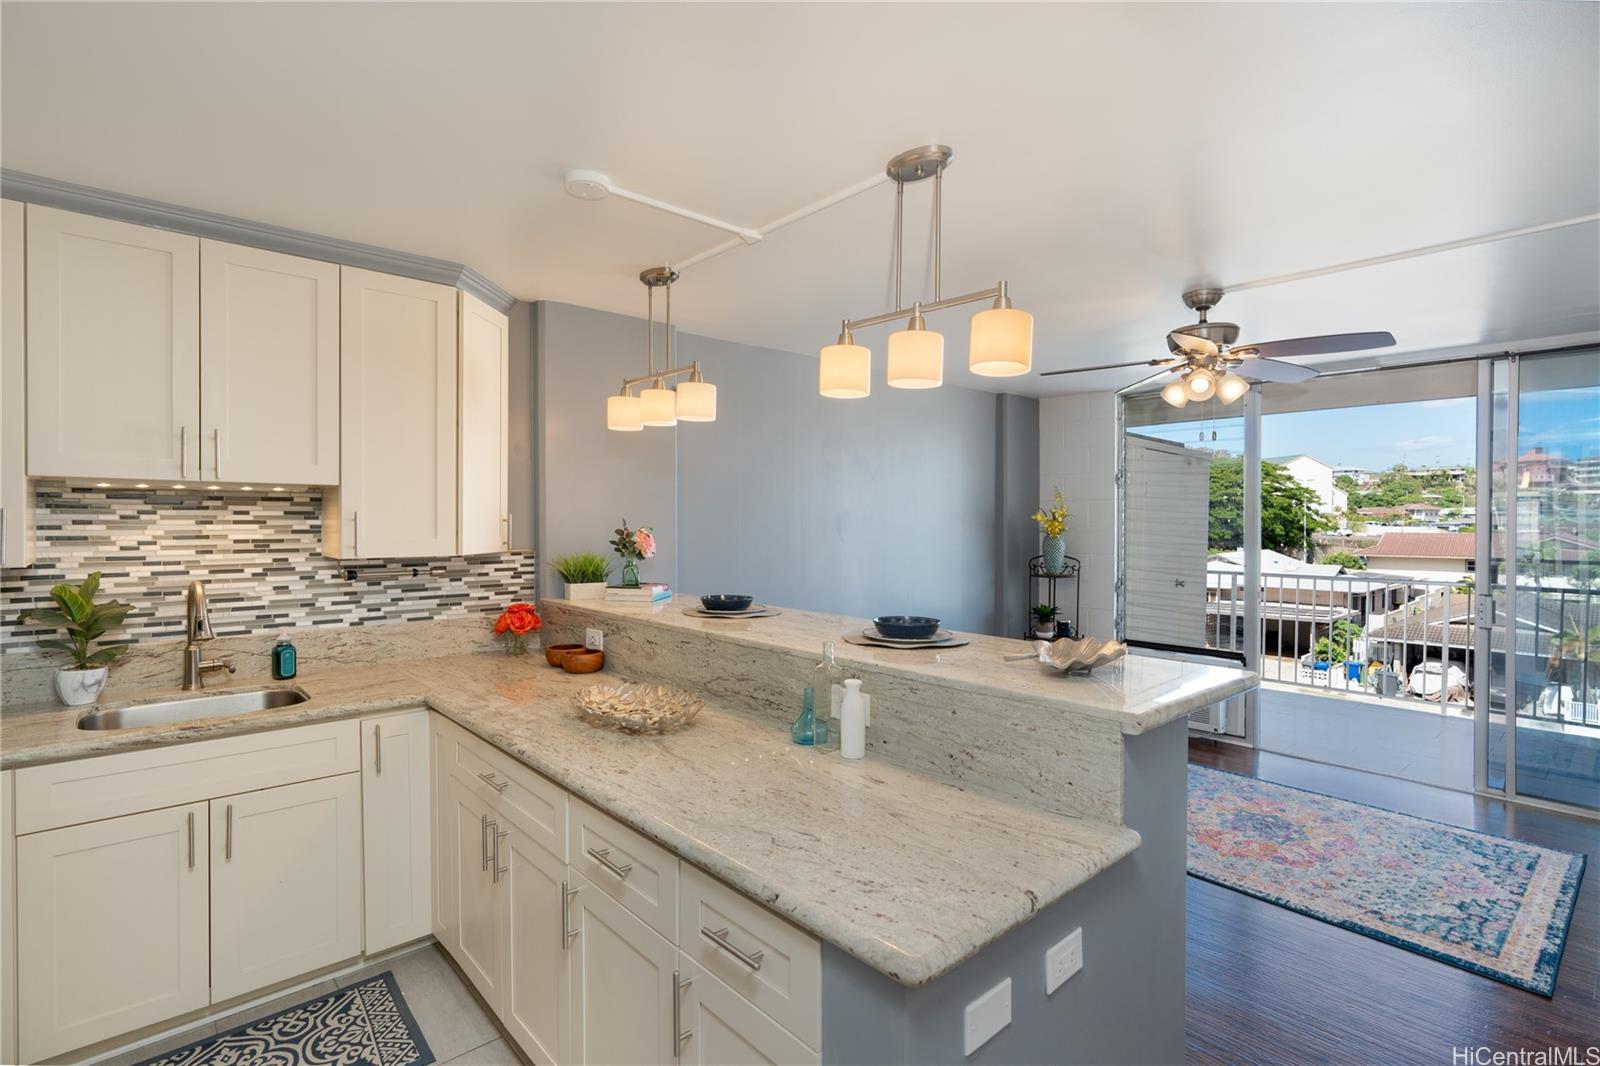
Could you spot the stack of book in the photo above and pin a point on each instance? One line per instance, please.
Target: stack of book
(649, 592)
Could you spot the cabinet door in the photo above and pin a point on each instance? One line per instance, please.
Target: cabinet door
(479, 937)
(397, 462)
(113, 349)
(8, 921)
(111, 927)
(16, 501)
(394, 818)
(485, 411)
(445, 837)
(535, 1004)
(285, 882)
(269, 367)
(621, 983)
(720, 1026)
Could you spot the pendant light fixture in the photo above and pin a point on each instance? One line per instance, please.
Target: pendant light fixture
(694, 400)
(1001, 342)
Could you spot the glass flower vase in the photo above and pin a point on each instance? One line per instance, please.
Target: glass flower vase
(630, 574)
(516, 644)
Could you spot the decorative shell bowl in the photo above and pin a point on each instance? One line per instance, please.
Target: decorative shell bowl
(637, 708)
(1083, 654)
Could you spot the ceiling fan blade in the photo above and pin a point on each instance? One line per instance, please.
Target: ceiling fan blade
(1274, 370)
(1333, 342)
(1106, 366)
(1188, 342)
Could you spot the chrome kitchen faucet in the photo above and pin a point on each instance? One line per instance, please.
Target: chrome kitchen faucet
(196, 629)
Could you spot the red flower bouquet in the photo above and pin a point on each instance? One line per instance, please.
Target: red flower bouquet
(515, 623)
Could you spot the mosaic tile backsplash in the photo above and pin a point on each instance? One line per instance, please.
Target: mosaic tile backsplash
(260, 556)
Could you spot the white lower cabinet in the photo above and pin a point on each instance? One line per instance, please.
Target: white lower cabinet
(112, 930)
(622, 990)
(719, 1026)
(285, 882)
(395, 817)
(536, 990)
(478, 930)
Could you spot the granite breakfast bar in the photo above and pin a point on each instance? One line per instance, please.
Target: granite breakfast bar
(998, 809)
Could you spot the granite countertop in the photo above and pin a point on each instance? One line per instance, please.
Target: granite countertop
(907, 874)
(1138, 692)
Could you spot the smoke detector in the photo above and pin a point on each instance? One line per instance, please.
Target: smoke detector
(588, 184)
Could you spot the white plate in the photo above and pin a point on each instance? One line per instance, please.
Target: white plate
(866, 639)
(753, 611)
(942, 636)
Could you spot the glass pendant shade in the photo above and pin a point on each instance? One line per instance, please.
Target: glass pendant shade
(697, 401)
(1201, 383)
(1231, 387)
(658, 406)
(845, 371)
(622, 413)
(1002, 343)
(1175, 392)
(916, 357)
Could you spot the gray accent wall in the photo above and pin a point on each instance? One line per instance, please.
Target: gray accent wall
(906, 501)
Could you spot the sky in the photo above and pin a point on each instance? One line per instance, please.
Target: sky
(1424, 433)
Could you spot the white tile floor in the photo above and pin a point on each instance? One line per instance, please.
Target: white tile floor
(456, 1027)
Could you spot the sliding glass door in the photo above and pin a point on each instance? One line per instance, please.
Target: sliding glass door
(1539, 632)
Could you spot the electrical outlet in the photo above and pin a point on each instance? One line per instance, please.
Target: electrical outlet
(594, 639)
(1063, 960)
(986, 1016)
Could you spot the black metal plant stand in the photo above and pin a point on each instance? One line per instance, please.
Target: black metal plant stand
(1042, 589)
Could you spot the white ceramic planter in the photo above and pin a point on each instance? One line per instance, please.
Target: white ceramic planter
(79, 687)
(586, 590)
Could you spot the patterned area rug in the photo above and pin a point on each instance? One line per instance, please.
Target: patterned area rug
(364, 1024)
(1495, 906)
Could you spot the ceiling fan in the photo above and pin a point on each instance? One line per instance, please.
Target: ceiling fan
(1206, 361)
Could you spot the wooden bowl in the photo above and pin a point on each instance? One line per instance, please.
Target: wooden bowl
(554, 654)
(583, 661)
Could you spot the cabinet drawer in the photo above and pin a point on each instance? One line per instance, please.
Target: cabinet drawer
(773, 964)
(106, 786)
(720, 1026)
(635, 872)
(532, 803)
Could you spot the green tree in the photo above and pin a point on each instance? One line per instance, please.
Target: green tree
(1289, 511)
(1348, 560)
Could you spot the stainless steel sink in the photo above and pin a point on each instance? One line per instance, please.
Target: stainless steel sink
(189, 708)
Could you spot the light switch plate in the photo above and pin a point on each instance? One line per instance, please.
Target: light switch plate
(594, 639)
(986, 1016)
(1062, 960)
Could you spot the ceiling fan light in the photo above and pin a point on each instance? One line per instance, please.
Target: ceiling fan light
(1200, 381)
(1176, 393)
(1231, 387)
(916, 355)
(622, 413)
(658, 405)
(697, 401)
(845, 370)
(1002, 341)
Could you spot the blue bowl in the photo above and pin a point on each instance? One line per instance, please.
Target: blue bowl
(906, 626)
(723, 601)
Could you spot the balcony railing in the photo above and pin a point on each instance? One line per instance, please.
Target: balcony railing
(1412, 639)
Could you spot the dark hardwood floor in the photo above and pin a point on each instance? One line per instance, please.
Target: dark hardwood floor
(1267, 985)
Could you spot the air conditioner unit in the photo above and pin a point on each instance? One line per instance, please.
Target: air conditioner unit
(1212, 719)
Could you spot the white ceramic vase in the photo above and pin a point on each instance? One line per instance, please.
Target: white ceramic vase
(586, 590)
(79, 687)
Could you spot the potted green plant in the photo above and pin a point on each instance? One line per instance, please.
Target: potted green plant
(1044, 622)
(585, 574)
(85, 621)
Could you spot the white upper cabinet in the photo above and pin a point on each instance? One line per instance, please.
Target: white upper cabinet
(485, 398)
(269, 367)
(397, 484)
(113, 342)
(16, 502)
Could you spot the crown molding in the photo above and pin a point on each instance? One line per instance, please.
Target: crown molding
(52, 192)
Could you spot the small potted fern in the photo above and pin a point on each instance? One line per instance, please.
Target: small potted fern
(85, 621)
(585, 574)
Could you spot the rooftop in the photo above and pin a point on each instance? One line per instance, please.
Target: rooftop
(1424, 545)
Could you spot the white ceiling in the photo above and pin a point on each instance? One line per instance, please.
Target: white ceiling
(1107, 156)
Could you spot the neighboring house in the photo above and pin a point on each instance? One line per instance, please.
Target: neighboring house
(1423, 554)
(1423, 512)
(1317, 476)
(1298, 600)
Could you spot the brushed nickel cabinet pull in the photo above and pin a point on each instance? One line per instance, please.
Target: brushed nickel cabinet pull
(483, 840)
(679, 1033)
(719, 937)
(227, 842)
(566, 916)
(603, 857)
(509, 531)
(489, 779)
(499, 871)
(355, 535)
(216, 452)
(191, 840)
(183, 451)
(377, 748)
